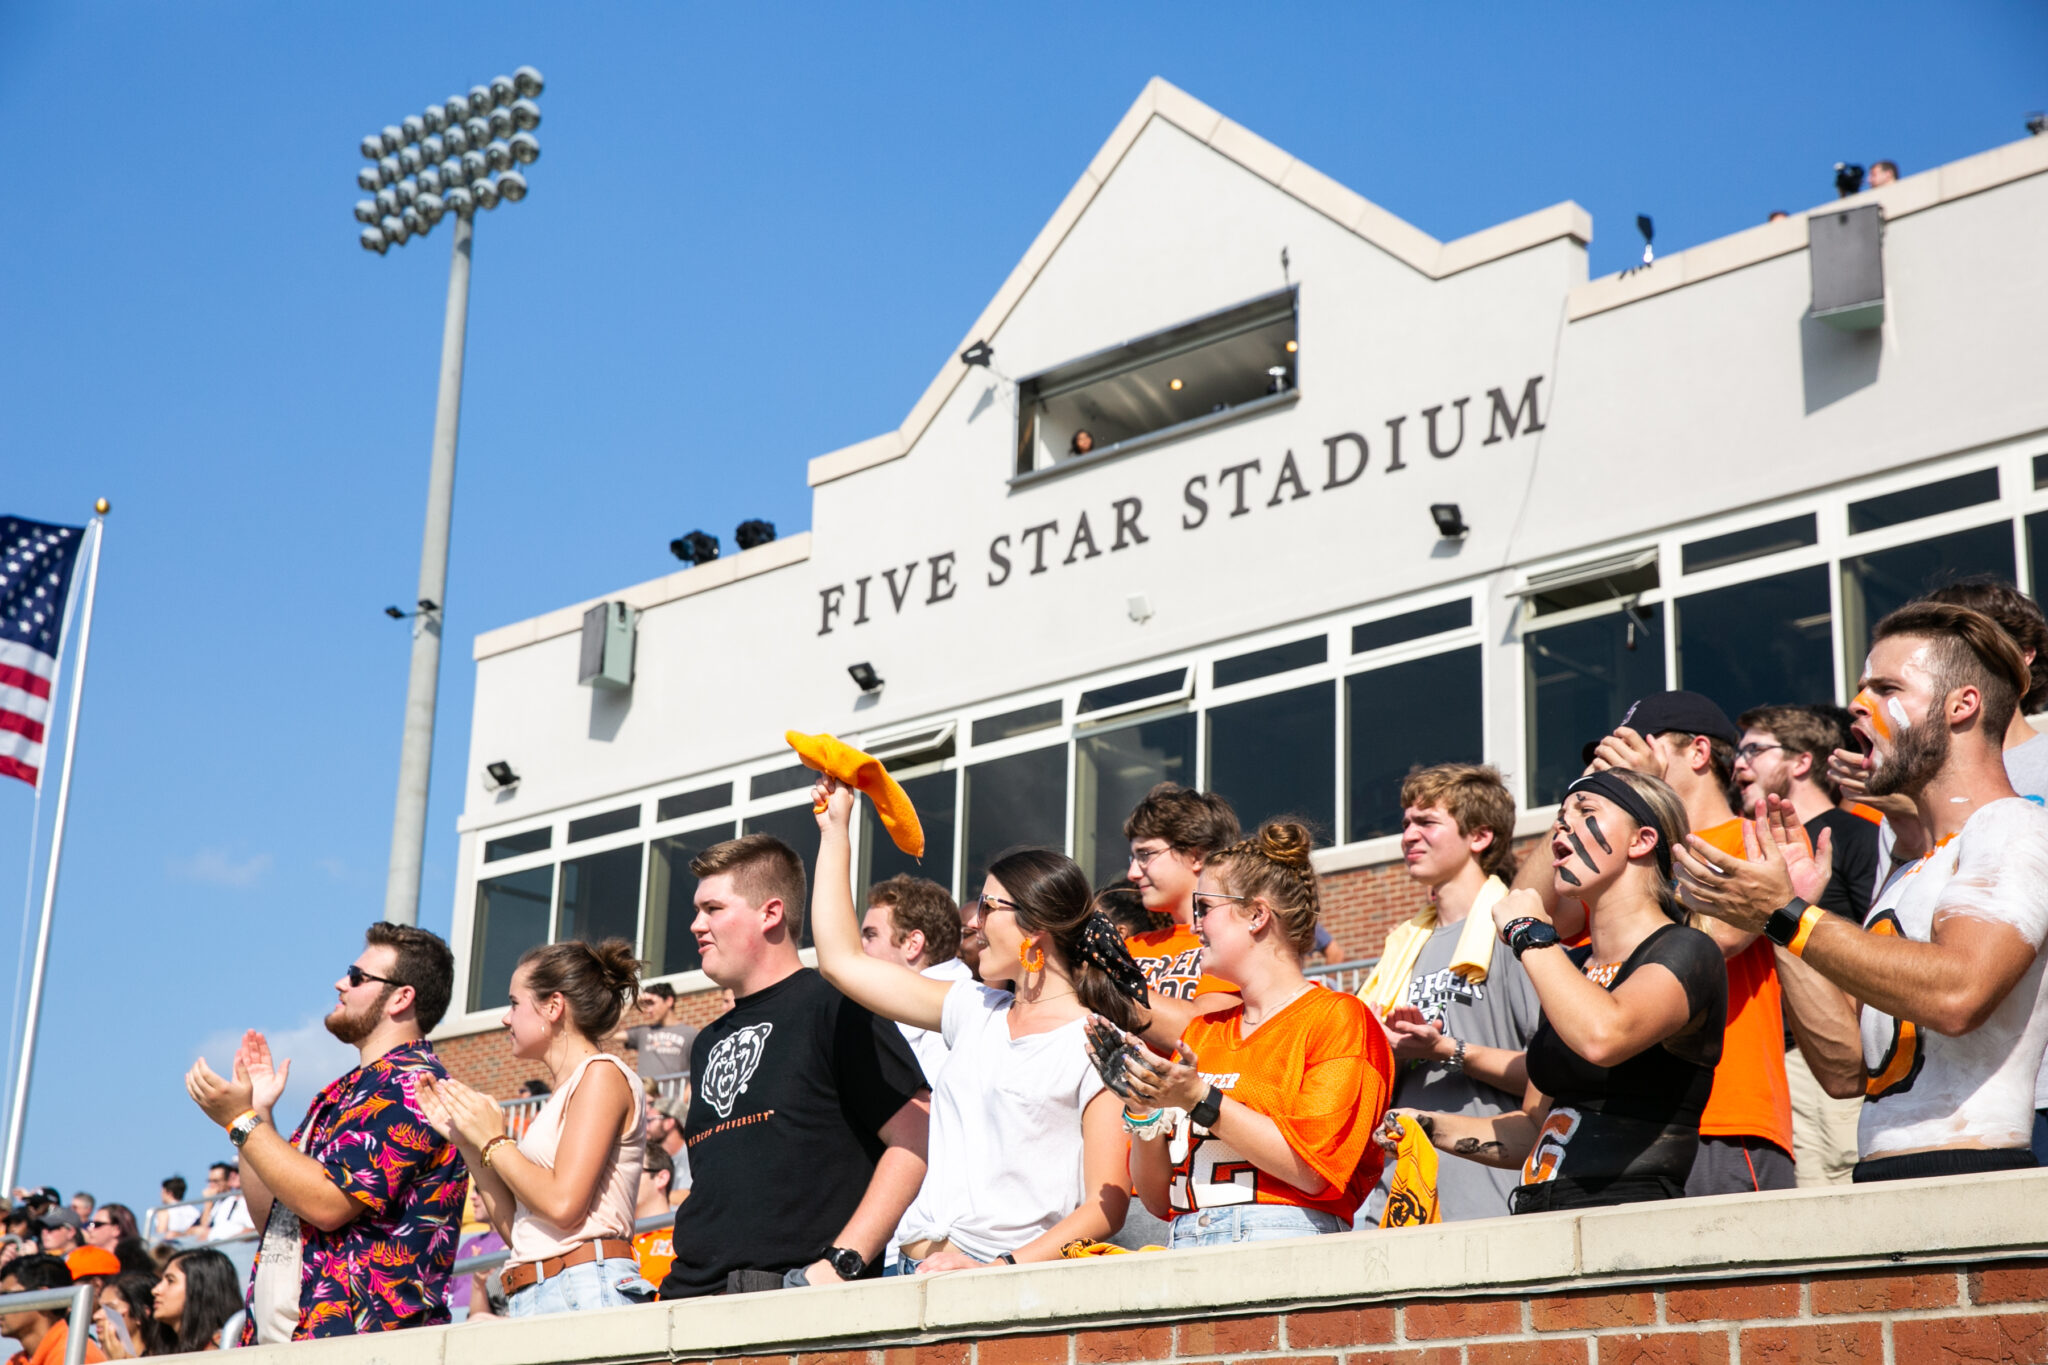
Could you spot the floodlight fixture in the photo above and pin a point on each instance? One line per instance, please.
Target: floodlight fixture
(447, 160)
(864, 677)
(501, 775)
(754, 532)
(980, 353)
(694, 548)
(1450, 522)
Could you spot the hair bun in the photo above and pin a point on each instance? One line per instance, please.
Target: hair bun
(619, 965)
(1285, 841)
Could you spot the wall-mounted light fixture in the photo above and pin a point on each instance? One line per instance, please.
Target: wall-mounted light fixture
(499, 775)
(1138, 607)
(694, 548)
(864, 677)
(750, 534)
(1450, 522)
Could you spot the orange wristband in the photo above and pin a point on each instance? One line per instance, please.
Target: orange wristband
(1814, 915)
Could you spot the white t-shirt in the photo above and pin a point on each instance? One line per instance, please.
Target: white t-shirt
(930, 1044)
(1005, 1150)
(230, 1218)
(1976, 1090)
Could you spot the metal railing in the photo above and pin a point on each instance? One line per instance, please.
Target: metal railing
(78, 1298)
(520, 1112)
(1342, 976)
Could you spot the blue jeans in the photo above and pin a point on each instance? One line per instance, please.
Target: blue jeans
(903, 1265)
(1250, 1223)
(611, 1283)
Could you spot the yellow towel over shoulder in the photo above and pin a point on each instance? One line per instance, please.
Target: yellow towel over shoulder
(864, 773)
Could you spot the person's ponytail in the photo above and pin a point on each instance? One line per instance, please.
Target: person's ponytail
(1053, 897)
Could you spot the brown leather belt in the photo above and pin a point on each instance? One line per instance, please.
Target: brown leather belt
(528, 1273)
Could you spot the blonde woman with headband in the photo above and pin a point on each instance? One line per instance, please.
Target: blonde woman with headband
(1260, 1126)
(1623, 1058)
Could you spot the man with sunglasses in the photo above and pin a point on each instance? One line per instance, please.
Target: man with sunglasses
(362, 1208)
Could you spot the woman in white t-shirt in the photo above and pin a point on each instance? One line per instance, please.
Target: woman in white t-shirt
(1027, 1150)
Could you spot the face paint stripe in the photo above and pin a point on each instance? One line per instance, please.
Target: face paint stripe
(1593, 828)
(1580, 849)
(1564, 874)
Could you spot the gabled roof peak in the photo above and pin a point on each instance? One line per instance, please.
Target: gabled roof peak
(1167, 102)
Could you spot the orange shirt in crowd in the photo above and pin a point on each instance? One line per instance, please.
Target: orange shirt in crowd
(1751, 1095)
(1322, 1071)
(655, 1250)
(1172, 962)
(50, 1351)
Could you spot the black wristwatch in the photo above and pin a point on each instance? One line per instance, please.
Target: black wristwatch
(1783, 924)
(846, 1263)
(1208, 1109)
(1532, 934)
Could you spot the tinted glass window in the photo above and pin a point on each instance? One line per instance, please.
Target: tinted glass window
(1137, 689)
(511, 916)
(1752, 542)
(798, 828)
(1010, 724)
(601, 896)
(1414, 625)
(1761, 643)
(1277, 755)
(671, 899)
(1928, 500)
(932, 795)
(780, 781)
(1581, 678)
(611, 822)
(1885, 580)
(694, 803)
(1264, 663)
(2037, 550)
(1021, 799)
(1401, 718)
(1113, 772)
(512, 845)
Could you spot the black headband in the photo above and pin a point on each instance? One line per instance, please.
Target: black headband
(1607, 785)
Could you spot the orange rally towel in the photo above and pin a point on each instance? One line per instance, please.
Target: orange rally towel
(835, 758)
(1412, 1201)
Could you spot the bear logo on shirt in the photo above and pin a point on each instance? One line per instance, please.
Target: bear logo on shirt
(732, 1064)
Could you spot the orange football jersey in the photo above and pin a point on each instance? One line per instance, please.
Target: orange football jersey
(1171, 959)
(1321, 1070)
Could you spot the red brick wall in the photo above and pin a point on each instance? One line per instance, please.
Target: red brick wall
(1360, 906)
(1913, 1316)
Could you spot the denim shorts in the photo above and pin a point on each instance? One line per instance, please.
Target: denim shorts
(611, 1283)
(1250, 1223)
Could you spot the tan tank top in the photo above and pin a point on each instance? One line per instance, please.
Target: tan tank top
(618, 1184)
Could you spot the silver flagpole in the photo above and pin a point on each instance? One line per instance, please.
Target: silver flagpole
(17, 1117)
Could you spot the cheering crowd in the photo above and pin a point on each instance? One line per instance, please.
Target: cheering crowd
(1800, 946)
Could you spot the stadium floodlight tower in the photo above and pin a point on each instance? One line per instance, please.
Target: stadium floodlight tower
(447, 161)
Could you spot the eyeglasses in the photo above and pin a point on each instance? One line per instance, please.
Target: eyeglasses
(103, 1223)
(983, 904)
(1748, 752)
(1144, 860)
(1202, 899)
(357, 976)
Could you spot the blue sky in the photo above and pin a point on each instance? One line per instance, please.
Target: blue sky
(755, 233)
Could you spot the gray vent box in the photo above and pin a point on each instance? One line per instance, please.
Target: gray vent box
(1846, 248)
(607, 660)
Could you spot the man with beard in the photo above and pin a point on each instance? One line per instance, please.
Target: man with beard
(1948, 968)
(361, 1210)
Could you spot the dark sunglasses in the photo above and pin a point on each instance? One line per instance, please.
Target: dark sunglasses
(357, 976)
(103, 1223)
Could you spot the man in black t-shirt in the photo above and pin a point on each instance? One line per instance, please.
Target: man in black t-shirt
(1784, 753)
(806, 1131)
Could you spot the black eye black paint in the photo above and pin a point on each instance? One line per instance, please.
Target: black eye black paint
(1593, 828)
(1565, 875)
(1580, 849)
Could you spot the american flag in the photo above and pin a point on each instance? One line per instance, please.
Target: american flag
(36, 560)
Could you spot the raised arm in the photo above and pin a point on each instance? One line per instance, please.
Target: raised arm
(885, 988)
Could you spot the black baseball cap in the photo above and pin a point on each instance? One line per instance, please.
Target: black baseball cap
(1659, 712)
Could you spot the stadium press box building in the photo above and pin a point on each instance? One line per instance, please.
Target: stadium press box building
(1352, 500)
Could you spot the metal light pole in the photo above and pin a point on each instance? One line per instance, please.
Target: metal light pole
(452, 158)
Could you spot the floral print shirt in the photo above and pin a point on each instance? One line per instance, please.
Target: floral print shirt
(387, 1267)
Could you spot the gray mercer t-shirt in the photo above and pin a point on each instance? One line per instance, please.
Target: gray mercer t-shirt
(1500, 1011)
(664, 1049)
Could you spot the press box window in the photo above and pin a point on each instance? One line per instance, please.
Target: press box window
(1582, 677)
(513, 845)
(1016, 801)
(1411, 625)
(1114, 770)
(512, 916)
(1882, 581)
(1264, 663)
(1927, 500)
(1765, 641)
(1182, 378)
(1273, 756)
(672, 899)
(1010, 724)
(931, 796)
(1401, 718)
(597, 826)
(693, 803)
(1753, 542)
(601, 896)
